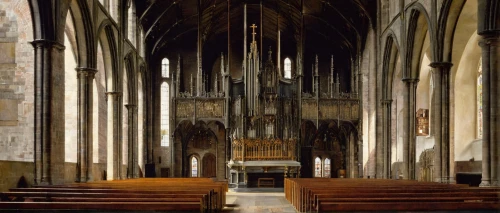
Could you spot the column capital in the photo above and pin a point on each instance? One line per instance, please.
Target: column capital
(489, 40)
(386, 101)
(86, 72)
(113, 94)
(410, 80)
(131, 106)
(441, 64)
(47, 43)
(85, 69)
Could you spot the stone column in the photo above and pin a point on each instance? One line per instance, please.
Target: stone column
(49, 126)
(441, 118)
(132, 145)
(114, 161)
(386, 135)
(491, 112)
(245, 176)
(85, 124)
(409, 145)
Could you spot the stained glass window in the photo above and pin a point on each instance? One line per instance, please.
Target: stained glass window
(194, 167)
(288, 68)
(326, 172)
(317, 167)
(165, 108)
(479, 99)
(165, 68)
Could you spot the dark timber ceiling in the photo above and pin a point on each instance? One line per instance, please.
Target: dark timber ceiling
(339, 25)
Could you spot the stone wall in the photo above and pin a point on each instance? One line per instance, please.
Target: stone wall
(16, 82)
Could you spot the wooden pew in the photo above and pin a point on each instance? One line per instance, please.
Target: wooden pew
(321, 194)
(186, 194)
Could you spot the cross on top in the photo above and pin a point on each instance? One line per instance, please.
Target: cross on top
(253, 33)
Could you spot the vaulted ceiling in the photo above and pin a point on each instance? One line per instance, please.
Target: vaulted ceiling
(339, 25)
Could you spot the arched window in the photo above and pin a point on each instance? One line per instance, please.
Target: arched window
(317, 167)
(165, 108)
(194, 166)
(165, 68)
(479, 99)
(132, 23)
(326, 171)
(288, 68)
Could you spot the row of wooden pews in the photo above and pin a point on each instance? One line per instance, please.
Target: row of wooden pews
(334, 195)
(152, 194)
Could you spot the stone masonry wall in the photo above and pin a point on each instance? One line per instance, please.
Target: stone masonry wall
(16, 82)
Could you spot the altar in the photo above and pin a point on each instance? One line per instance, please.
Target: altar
(256, 159)
(252, 173)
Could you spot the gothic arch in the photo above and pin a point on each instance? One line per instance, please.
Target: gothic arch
(83, 25)
(391, 55)
(107, 38)
(48, 23)
(418, 16)
(447, 24)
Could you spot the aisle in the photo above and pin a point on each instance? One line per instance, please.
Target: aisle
(257, 202)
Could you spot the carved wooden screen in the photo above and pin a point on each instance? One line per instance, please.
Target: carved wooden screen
(209, 166)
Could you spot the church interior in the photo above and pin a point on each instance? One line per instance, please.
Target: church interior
(250, 94)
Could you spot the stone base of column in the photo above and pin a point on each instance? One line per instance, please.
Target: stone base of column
(43, 183)
(452, 180)
(485, 183)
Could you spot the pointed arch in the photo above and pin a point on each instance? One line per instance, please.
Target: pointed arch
(86, 41)
(418, 26)
(194, 166)
(107, 38)
(318, 167)
(391, 55)
(447, 24)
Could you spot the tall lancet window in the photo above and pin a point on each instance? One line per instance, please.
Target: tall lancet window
(194, 166)
(326, 172)
(165, 68)
(479, 99)
(165, 108)
(288, 68)
(317, 167)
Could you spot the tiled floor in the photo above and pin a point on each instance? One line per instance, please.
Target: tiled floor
(257, 202)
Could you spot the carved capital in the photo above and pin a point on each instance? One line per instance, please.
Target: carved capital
(112, 95)
(44, 43)
(386, 102)
(410, 80)
(131, 107)
(488, 40)
(86, 72)
(445, 65)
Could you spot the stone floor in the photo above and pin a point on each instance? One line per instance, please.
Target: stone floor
(266, 202)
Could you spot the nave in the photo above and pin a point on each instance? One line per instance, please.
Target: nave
(208, 195)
